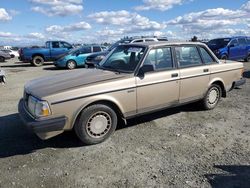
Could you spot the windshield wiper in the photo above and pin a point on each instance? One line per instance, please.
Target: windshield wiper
(110, 68)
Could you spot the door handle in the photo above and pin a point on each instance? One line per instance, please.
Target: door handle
(205, 70)
(174, 75)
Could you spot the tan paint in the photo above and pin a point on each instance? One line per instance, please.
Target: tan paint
(69, 94)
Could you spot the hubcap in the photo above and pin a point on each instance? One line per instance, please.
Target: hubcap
(38, 61)
(213, 96)
(98, 124)
(71, 65)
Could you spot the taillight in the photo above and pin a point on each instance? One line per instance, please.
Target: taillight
(20, 51)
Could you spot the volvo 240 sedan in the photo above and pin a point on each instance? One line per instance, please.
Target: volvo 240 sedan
(132, 80)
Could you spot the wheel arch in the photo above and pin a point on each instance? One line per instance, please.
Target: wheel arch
(220, 83)
(37, 54)
(111, 103)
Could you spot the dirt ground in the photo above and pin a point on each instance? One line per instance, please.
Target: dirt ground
(178, 147)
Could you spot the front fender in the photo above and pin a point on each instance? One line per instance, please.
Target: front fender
(98, 99)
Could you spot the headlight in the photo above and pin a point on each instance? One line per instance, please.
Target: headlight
(99, 57)
(38, 108)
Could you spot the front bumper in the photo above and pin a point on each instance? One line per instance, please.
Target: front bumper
(240, 82)
(40, 125)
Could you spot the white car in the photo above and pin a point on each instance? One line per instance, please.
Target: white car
(12, 53)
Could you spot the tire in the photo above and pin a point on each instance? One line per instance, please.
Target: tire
(248, 58)
(71, 64)
(212, 97)
(224, 57)
(96, 124)
(37, 61)
(2, 59)
(3, 80)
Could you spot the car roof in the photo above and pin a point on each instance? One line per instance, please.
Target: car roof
(162, 43)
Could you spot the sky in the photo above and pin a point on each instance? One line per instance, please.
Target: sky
(29, 22)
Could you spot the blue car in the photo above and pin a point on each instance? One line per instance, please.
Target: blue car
(233, 48)
(76, 57)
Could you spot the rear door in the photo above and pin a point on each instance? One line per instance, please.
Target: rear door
(194, 75)
(159, 88)
(243, 48)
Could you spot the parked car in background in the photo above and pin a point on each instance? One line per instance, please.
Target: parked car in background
(76, 57)
(52, 51)
(12, 53)
(134, 79)
(233, 48)
(4, 56)
(96, 58)
(2, 77)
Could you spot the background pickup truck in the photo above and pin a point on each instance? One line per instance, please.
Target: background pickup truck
(52, 51)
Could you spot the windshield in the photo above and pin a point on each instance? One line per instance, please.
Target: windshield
(123, 59)
(219, 42)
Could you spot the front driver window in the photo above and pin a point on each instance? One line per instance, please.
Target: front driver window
(160, 58)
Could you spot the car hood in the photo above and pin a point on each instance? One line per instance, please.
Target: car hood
(50, 85)
(215, 47)
(99, 53)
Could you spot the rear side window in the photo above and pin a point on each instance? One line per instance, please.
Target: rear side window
(138, 41)
(160, 58)
(85, 50)
(97, 49)
(242, 41)
(207, 58)
(187, 56)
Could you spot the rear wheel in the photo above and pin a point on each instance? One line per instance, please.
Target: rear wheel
(37, 61)
(96, 124)
(71, 64)
(248, 58)
(212, 97)
(2, 59)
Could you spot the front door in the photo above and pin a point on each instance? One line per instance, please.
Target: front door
(159, 88)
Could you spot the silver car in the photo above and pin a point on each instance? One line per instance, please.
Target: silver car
(4, 56)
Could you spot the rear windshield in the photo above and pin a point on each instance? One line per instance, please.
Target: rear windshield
(219, 42)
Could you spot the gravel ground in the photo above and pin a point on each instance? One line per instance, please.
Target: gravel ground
(178, 147)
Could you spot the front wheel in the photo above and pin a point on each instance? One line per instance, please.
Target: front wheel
(212, 97)
(3, 79)
(37, 61)
(224, 57)
(71, 64)
(96, 124)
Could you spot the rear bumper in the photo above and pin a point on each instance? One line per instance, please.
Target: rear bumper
(240, 82)
(43, 125)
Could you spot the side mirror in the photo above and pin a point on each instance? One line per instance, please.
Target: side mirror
(231, 45)
(77, 53)
(145, 68)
